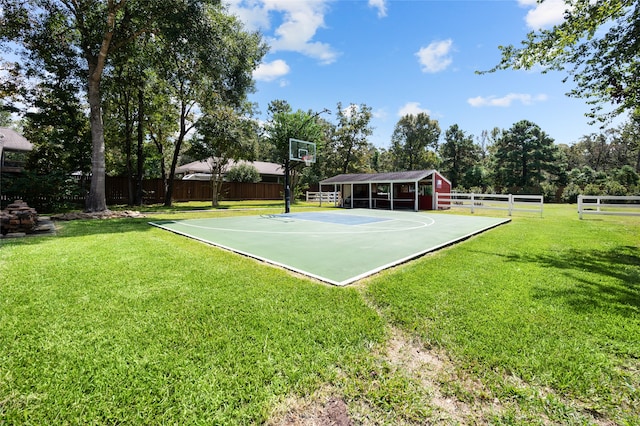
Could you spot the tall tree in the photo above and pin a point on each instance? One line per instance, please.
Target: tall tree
(458, 154)
(207, 77)
(349, 146)
(631, 135)
(59, 130)
(414, 142)
(284, 124)
(597, 44)
(123, 105)
(596, 150)
(11, 86)
(525, 156)
(91, 31)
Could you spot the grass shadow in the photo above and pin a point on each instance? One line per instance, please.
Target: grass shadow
(602, 279)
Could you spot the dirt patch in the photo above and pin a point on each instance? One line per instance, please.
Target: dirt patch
(313, 411)
(430, 367)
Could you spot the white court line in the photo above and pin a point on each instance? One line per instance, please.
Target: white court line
(364, 228)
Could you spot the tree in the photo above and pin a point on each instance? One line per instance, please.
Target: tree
(10, 87)
(284, 124)
(630, 133)
(524, 157)
(59, 130)
(88, 32)
(414, 142)
(124, 102)
(597, 44)
(244, 173)
(224, 134)
(206, 78)
(458, 154)
(348, 143)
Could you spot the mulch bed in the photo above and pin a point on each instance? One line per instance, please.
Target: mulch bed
(107, 214)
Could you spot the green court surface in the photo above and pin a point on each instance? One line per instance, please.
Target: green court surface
(337, 246)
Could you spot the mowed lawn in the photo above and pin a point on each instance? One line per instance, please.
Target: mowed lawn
(117, 322)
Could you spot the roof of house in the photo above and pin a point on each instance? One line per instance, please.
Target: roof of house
(205, 166)
(13, 141)
(392, 177)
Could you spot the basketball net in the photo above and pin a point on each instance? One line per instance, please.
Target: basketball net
(308, 160)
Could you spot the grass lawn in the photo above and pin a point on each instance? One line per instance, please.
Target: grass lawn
(115, 321)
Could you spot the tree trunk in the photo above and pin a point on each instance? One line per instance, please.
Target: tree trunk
(128, 126)
(172, 173)
(96, 199)
(139, 152)
(176, 154)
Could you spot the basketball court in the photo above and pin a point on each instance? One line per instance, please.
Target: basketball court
(335, 246)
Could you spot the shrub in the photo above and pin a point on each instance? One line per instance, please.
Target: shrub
(570, 193)
(614, 188)
(549, 192)
(244, 172)
(592, 189)
(46, 193)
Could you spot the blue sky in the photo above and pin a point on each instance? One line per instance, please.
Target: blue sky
(411, 56)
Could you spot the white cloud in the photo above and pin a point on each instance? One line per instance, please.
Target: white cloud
(380, 114)
(381, 5)
(507, 100)
(412, 108)
(253, 13)
(545, 14)
(269, 71)
(351, 110)
(436, 56)
(300, 20)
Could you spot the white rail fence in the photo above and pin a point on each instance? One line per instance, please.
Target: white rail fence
(326, 197)
(507, 202)
(608, 205)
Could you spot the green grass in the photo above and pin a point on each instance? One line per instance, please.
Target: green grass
(114, 321)
(552, 305)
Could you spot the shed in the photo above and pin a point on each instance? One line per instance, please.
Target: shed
(396, 190)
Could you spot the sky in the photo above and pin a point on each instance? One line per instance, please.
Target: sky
(403, 57)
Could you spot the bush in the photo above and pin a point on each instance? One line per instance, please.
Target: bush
(592, 189)
(45, 193)
(570, 193)
(614, 188)
(549, 192)
(626, 176)
(244, 172)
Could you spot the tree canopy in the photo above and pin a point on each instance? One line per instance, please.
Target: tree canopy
(459, 156)
(524, 157)
(83, 35)
(598, 44)
(414, 141)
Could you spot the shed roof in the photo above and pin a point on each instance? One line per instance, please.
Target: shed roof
(392, 177)
(13, 141)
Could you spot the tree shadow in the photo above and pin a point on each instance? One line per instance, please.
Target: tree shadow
(80, 228)
(588, 271)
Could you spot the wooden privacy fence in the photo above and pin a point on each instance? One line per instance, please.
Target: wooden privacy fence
(507, 202)
(608, 205)
(117, 191)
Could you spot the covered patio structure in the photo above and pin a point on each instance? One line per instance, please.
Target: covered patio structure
(412, 190)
